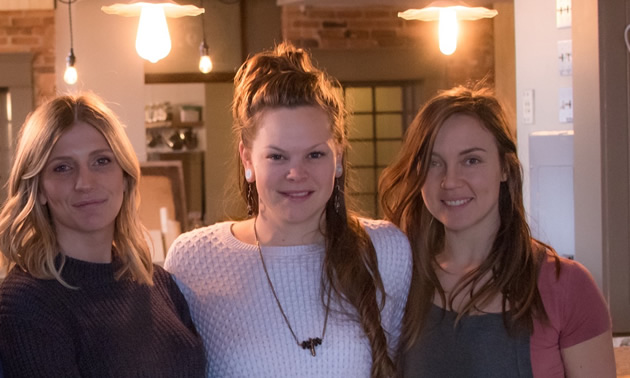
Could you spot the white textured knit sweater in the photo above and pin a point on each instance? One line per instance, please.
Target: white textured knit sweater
(242, 328)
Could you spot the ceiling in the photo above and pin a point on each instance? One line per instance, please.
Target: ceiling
(402, 4)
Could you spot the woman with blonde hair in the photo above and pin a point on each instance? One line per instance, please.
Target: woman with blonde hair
(487, 299)
(302, 287)
(82, 297)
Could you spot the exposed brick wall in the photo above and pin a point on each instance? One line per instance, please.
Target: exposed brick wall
(379, 27)
(34, 32)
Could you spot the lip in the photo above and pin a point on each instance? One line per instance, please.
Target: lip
(297, 194)
(457, 202)
(90, 202)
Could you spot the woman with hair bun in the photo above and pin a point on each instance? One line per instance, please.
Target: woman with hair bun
(302, 287)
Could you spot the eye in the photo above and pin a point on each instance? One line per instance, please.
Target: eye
(316, 155)
(275, 157)
(472, 161)
(103, 160)
(61, 168)
(435, 163)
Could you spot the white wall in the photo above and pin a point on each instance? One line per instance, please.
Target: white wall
(107, 62)
(536, 39)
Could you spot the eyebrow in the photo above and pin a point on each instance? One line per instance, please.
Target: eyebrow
(315, 146)
(95, 152)
(465, 152)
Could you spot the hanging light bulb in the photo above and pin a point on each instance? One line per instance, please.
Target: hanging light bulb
(448, 29)
(448, 13)
(153, 41)
(205, 63)
(70, 76)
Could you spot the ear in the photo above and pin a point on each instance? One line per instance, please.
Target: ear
(339, 164)
(246, 159)
(504, 176)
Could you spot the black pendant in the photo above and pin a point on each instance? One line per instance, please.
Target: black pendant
(311, 344)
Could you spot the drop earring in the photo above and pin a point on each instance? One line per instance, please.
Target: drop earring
(339, 171)
(250, 200)
(248, 175)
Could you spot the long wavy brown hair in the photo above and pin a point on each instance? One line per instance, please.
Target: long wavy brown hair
(515, 257)
(27, 235)
(286, 77)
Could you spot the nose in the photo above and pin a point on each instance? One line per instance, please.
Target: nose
(297, 171)
(451, 178)
(84, 179)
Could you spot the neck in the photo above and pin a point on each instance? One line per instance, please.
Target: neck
(272, 233)
(95, 249)
(464, 253)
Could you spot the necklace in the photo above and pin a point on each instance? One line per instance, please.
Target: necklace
(311, 343)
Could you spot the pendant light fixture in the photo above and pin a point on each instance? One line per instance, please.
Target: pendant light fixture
(448, 13)
(153, 41)
(205, 63)
(70, 75)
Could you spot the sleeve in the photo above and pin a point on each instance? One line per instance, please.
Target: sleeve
(181, 305)
(35, 346)
(585, 312)
(395, 266)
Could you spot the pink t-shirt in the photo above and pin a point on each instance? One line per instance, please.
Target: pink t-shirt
(577, 312)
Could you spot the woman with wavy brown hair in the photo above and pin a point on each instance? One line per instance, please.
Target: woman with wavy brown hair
(302, 287)
(487, 300)
(82, 297)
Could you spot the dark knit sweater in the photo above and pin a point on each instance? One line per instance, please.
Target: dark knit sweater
(105, 328)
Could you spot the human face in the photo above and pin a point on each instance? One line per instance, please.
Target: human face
(293, 159)
(82, 184)
(463, 180)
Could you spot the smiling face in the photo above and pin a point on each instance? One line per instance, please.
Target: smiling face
(82, 184)
(293, 161)
(463, 181)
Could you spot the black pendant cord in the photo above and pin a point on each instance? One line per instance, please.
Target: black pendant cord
(311, 343)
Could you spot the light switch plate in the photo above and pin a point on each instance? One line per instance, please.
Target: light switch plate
(565, 103)
(563, 13)
(565, 58)
(528, 106)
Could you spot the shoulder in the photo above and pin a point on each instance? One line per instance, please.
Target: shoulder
(392, 249)
(564, 275)
(21, 293)
(191, 245)
(384, 232)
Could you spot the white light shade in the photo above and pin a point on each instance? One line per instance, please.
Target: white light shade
(153, 41)
(134, 8)
(70, 75)
(205, 64)
(448, 13)
(448, 29)
(463, 11)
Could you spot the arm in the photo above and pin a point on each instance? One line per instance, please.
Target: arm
(591, 358)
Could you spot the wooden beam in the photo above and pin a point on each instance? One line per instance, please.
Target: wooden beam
(188, 77)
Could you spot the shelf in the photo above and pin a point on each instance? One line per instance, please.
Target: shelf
(171, 124)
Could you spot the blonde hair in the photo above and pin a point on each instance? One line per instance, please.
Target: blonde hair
(27, 237)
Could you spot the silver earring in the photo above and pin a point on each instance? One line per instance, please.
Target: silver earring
(339, 170)
(248, 174)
